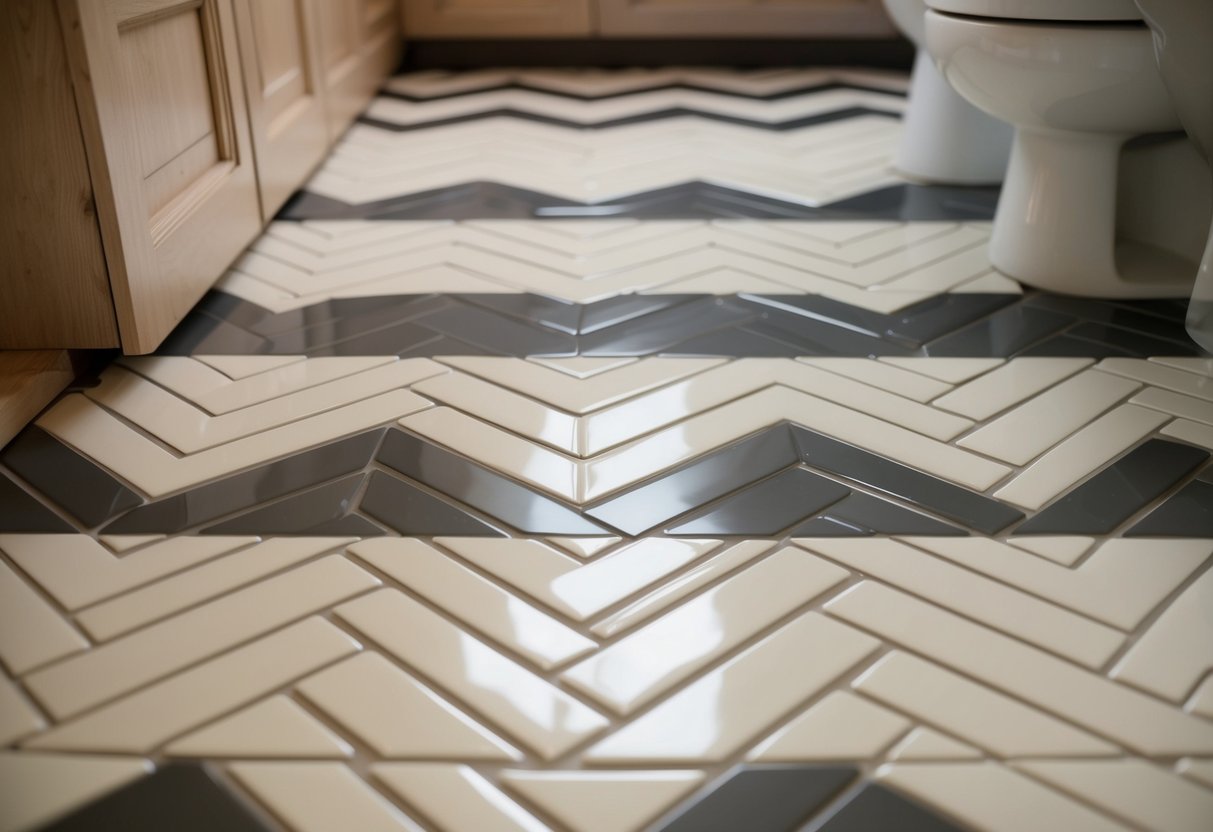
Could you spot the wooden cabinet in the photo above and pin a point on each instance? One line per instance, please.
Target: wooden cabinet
(498, 18)
(148, 141)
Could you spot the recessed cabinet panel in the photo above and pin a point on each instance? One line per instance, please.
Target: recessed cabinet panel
(742, 18)
(498, 18)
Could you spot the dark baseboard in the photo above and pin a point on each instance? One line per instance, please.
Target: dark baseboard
(887, 53)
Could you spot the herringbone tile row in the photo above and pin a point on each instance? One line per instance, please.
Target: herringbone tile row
(582, 446)
(1063, 682)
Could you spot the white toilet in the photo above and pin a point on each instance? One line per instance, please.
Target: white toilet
(944, 138)
(1077, 79)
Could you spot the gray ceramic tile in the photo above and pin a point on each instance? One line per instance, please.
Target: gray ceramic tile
(877, 808)
(702, 481)
(615, 311)
(554, 314)
(73, 482)
(323, 510)
(828, 527)
(734, 342)
(1004, 333)
(1132, 342)
(876, 472)
(20, 512)
(879, 516)
(813, 337)
(1189, 513)
(405, 338)
(764, 799)
(1119, 491)
(499, 333)
(654, 333)
(410, 510)
(767, 507)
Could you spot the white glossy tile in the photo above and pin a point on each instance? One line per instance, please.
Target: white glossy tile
(148, 717)
(584, 547)
(242, 366)
(631, 672)
(1133, 790)
(842, 726)
(883, 376)
(32, 632)
(38, 788)
(145, 655)
(978, 714)
(122, 543)
(397, 716)
(1188, 431)
(455, 798)
(18, 717)
(1137, 720)
(927, 744)
(1176, 404)
(1002, 387)
(993, 798)
(1193, 380)
(1046, 625)
(1063, 549)
(578, 590)
(673, 591)
(1199, 366)
(216, 577)
(1119, 583)
(723, 710)
(481, 604)
(1176, 652)
(1037, 425)
(530, 709)
(319, 797)
(274, 727)
(601, 801)
(76, 571)
(951, 370)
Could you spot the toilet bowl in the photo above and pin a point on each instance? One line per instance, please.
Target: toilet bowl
(944, 138)
(1077, 79)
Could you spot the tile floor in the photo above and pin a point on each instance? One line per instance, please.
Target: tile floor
(606, 452)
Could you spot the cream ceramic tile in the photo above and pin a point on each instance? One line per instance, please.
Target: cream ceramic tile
(455, 798)
(223, 574)
(184, 376)
(143, 720)
(883, 376)
(541, 716)
(980, 715)
(125, 542)
(17, 716)
(631, 672)
(397, 716)
(594, 801)
(126, 663)
(1016, 613)
(38, 788)
(1199, 366)
(951, 370)
(482, 605)
(733, 704)
(842, 726)
(242, 366)
(1140, 722)
(32, 633)
(1201, 701)
(98, 434)
(1023, 433)
(1119, 583)
(1176, 404)
(319, 797)
(1065, 550)
(720, 282)
(1085, 451)
(584, 547)
(1018, 379)
(1133, 790)
(928, 744)
(582, 367)
(1199, 770)
(1176, 652)
(77, 571)
(1189, 431)
(578, 590)
(993, 798)
(274, 727)
(675, 590)
(1194, 380)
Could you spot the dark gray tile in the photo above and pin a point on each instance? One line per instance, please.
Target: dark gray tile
(1119, 491)
(828, 527)
(615, 311)
(498, 332)
(410, 510)
(20, 512)
(405, 337)
(879, 516)
(809, 310)
(875, 809)
(948, 312)
(560, 315)
(1005, 333)
(919, 202)
(182, 797)
(654, 332)
(251, 488)
(734, 342)
(816, 337)
(477, 486)
(1136, 343)
(764, 799)
(72, 481)
(322, 510)
(1188, 513)
(768, 506)
(937, 496)
(202, 334)
(1066, 346)
(699, 482)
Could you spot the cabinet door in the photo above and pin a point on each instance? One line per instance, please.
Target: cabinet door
(163, 111)
(282, 80)
(743, 18)
(497, 18)
(359, 44)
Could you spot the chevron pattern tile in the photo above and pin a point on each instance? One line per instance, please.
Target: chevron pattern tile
(619, 451)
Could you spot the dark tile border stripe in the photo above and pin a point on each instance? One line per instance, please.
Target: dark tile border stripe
(831, 86)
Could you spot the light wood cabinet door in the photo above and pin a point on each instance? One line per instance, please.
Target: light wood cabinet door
(283, 82)
(742, 18)
(162, 108)
(359, 45)
(498, 18)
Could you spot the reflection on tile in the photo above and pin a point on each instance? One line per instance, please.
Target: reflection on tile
(841, 726)
(603, 801)
(410, 510)
(764, 799)
(455, 797)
